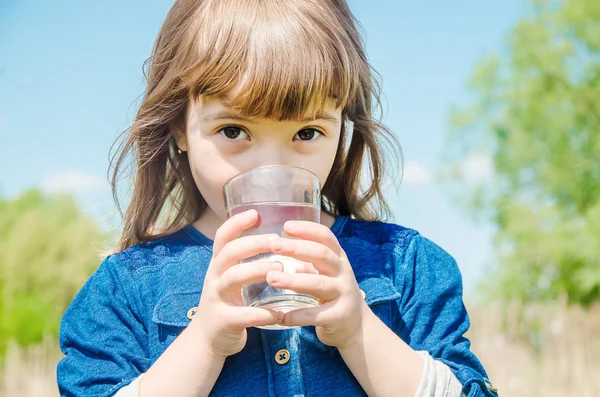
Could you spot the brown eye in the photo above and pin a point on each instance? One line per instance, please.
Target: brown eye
(308, 134)
(233, 133)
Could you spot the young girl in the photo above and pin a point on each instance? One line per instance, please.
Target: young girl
(233, 85)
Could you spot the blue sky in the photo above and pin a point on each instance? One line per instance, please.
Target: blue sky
(70, 73)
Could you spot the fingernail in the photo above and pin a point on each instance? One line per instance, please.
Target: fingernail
(277, 266)
(274, 278)
(250, 213)
(280, 316)
(275, 243)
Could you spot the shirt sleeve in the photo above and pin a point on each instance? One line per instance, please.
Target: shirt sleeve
(434, 316)
(105, 345)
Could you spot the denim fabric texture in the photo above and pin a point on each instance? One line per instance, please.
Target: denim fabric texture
(136, 304)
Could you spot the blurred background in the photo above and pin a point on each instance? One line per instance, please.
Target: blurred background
(497, 106)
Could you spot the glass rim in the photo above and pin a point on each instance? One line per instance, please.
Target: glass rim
(262, 167)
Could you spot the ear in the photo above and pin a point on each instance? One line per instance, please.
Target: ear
(180, 138)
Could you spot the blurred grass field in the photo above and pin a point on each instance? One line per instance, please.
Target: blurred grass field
(561, 358)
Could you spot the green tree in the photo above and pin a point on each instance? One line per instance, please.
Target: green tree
(535, 113)
(48, 248)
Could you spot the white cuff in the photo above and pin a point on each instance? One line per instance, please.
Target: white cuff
(131, 390)
(437, 379)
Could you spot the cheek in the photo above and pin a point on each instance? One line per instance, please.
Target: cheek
(211, 170)
(321, 168)
(321, 163)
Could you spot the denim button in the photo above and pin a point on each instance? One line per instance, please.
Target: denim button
(282, 357)
(192, 312)
(490, 386)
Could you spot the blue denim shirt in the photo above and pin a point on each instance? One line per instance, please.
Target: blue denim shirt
(137, 303)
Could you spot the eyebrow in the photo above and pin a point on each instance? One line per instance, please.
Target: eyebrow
(225, 114)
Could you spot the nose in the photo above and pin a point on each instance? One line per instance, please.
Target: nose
(272, 154)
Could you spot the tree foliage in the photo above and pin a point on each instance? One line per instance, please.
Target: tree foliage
(535, 113)
(48, 248)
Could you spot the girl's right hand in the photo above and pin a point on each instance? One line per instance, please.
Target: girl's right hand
(222, 318)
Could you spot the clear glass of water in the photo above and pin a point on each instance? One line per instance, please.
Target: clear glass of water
(279, 194)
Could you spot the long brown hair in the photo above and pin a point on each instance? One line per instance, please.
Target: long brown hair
(282, 57)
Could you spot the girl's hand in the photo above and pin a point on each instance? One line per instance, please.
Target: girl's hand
(342, 309)
(222, 318)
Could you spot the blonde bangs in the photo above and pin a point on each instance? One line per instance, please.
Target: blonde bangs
(272, 59)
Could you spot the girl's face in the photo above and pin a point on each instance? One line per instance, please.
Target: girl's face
(222, 143)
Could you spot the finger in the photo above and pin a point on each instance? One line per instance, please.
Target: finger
(293, 265)
(245, 317)
(321, 256)
(232, 280)
(313, 231)
(322, 287)
(305, 267)
(233, 228)
(317, 316)
(243, 248)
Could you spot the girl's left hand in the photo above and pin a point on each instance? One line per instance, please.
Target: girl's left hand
(339, 317)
